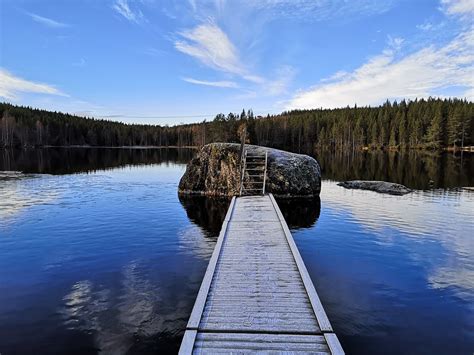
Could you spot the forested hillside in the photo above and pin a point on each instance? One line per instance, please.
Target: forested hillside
(431, 124)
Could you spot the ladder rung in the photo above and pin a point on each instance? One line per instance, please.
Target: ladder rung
(255, 167)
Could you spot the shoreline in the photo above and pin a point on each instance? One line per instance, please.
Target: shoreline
(468, 150)
(105, 147)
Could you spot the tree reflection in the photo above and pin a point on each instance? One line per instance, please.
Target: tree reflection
(416, 169)
(75, 160)
(419, 170)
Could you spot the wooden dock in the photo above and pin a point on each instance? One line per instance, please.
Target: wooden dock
(256, 295)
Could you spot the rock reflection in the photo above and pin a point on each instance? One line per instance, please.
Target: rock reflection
(300, 212)
(209, 212)
(206, 212)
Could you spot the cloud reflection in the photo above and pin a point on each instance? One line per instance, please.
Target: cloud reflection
(427, 216)
(15, 197)
(192, 241)
(117, 317)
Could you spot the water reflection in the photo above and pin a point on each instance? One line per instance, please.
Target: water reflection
(74, 160)
(112, 261)
(378, 260)
(416, 169)
(300, 212)
(207, 212)
(14, 198)
(194, 242)
(125, 318)
(417, 216)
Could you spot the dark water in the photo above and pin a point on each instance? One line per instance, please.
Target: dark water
(109, 258)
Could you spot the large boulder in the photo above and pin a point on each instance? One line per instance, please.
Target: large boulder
(216, 171)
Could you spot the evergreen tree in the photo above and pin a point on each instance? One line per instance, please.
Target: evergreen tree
(456, 127)
(433, 123)
(433, 136)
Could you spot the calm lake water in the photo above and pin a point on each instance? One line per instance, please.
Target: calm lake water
(99, 254)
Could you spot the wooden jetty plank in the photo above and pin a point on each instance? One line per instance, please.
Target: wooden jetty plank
(256, 295)
(212, 343)
(187, 344)
(333, 344)
(312, 294)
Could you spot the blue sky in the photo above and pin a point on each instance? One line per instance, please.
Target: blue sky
(168, 62)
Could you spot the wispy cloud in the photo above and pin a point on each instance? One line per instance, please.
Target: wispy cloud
(123, 8)
(47, 21)
(395, 43)
(210, 45)
(192, 3)
(336, 76)
(458, 7)
(154, 52)
(317, 10)
(279, 86)
(80, 63)
(430, 26)
(420, 74)
(11, 85)
(213, 48)
(220, 84)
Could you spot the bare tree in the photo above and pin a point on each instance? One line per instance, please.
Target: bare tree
(8, 127)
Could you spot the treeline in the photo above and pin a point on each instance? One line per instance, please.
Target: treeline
(431, 124)
(25, 126)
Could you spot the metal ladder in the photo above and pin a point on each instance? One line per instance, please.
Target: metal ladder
(254, 174)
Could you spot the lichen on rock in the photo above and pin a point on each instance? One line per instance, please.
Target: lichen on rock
(216, 171)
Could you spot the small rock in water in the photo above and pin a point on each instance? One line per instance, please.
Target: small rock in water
(377, 186)
(10, 175)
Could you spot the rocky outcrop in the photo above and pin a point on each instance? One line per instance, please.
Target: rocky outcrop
(215, 171)
(377, 186)
(11, 175)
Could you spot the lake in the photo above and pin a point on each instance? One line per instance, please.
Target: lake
(99, 254)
